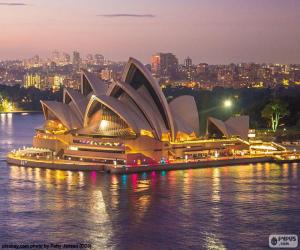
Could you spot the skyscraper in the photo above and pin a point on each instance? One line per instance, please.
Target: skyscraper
(188, 62)
(99, 59)
(76, 59)
(55, 56)
(66, 59)
(164, 65)
(89, 59)
(32, 80)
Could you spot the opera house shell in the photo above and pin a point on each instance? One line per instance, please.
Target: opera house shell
(127, 121)
(234, 126)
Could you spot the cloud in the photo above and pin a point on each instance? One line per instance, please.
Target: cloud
(13, 4)
(128, 15)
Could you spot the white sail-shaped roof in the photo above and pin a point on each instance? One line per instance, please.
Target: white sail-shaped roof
(181, 126)
(234, 126)
(186, 109)
(76, 100)
(61, 112)
(238, 125)
(120, 89)
(92, 84)
(123, 111)
(140, 78)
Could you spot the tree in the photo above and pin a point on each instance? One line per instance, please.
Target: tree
(274, 111)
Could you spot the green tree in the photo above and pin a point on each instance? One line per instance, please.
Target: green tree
(274, 111)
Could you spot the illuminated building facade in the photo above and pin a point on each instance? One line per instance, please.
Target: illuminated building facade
(56, 82)
(107, 74)
(127, 121)
(32, 80)
(164, 65)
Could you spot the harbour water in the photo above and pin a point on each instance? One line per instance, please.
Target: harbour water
(215, 208)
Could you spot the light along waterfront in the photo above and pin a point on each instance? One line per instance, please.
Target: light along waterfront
(228, 207)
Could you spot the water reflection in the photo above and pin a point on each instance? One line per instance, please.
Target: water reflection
(107, 209)
(6, 122)
(214, 208)
(216, 185)
(213, 243)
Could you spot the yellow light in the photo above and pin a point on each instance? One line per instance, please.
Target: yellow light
(104, 124)
(227, 103)
(147, 133)
(73, 148)
(285, 82)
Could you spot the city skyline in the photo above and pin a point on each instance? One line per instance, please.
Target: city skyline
(91, 55)
(208, 31)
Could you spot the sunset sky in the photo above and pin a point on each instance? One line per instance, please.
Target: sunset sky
(213, 31)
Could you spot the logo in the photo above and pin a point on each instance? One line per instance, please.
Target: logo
(283, 241)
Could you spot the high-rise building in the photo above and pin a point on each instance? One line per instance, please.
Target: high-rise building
(32, 80)
(201, 68)
(89, 59)
(188, 62)
(99, 59)
(60, 58)
(65, 58)
(56, 82)
(76, 59)
(164, 65)
(107, 74)
(33, 62)
(55, 56)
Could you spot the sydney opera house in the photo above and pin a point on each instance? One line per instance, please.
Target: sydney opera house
(131, 122)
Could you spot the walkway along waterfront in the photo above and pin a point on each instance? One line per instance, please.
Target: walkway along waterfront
(123, 169)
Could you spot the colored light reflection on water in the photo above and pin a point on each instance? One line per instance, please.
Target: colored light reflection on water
(93, 177)
(163, 173)
(134, 179)
(214, 208)
(124, 179)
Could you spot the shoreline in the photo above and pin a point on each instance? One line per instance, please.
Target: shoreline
(111, 169)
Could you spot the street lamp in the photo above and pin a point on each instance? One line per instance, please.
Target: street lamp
(227, 103)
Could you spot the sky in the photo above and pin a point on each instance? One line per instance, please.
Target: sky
(212, 31)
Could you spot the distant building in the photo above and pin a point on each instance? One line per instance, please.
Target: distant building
(164, 65)
(65, 58)
(56, 82)
(188, 66)
(225, 76)
(32, 80)
(76, 59)
(188, 63)
(201, 68)
(107, 74)
(33, 62)
(99, 59)
(89, 59)
(55, 56)
(60, 58)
